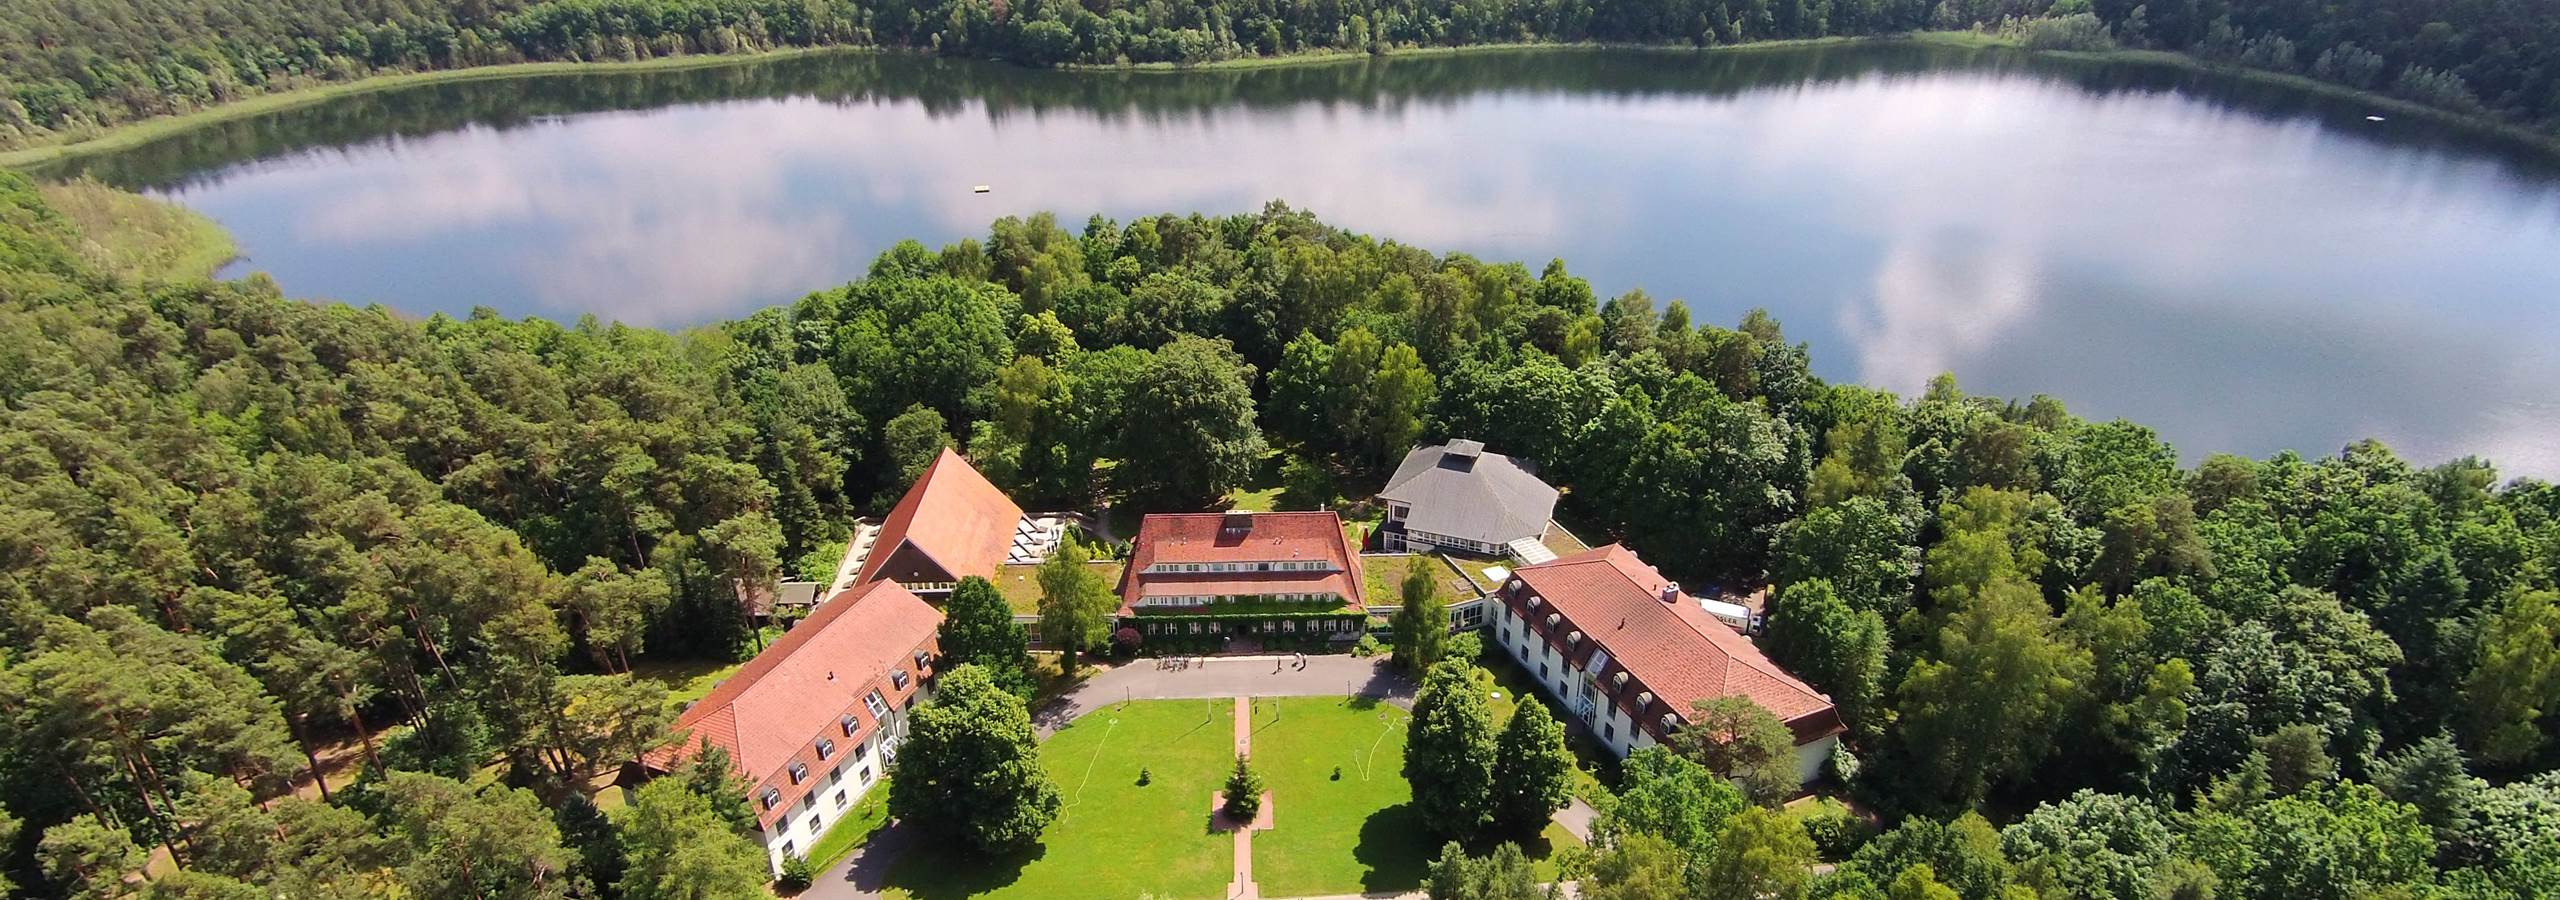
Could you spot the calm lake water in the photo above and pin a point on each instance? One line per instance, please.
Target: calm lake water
(2245, 268)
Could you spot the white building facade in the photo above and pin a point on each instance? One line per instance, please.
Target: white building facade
(1627, 656)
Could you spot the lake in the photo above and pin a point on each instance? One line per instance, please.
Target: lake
(2245, 267)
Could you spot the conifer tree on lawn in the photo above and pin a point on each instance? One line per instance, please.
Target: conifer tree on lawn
(1244, 791)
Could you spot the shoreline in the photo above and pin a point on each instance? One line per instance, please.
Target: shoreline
(142, 131)
(132, 134)
(2543, 142)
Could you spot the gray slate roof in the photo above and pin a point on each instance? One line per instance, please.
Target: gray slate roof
(1461, 491)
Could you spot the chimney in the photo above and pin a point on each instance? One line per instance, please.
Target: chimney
(1670, 593)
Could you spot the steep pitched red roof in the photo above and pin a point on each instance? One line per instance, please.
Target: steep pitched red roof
(791, 694)
(1674, 650)
(1271, 537)
(954, 516)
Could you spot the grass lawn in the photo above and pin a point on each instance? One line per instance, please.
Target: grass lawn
(1382, 576)
(687, 680)
(854, 829)
(1507, 684)
(1020, 584)
(1354, 832)
(1114, 837)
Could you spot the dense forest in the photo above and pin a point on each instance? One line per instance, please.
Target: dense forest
(237, 529)
(70, 66)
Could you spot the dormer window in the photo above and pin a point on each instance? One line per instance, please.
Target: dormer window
(1574, 638)
(826, 748)
(1644, 699)
(899, 679)
(850, 723)
(1552, 619)
(772, 797)
(1619, 679)
(1534, 600)
(921, 656)
(799, 772)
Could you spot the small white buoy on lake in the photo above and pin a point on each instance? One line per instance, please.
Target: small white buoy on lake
(980, 189)
(2373, 118)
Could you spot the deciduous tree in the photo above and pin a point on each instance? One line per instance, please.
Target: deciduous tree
(969, 770)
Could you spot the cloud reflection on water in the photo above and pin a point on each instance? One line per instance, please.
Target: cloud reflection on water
(2241, 282)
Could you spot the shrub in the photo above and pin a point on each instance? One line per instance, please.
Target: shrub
(2348, 64)
(1836, 832)
(797, 873)
(1125, 642)
(2435, 88)
(1368, 646)
(2081, 31)
(1842, 766)
(1465, 645)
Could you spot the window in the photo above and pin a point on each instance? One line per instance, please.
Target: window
(772, 797)
(850, 723)
(1608, 732)
(786, 848)
(911, 701)
(863, 773)
(898, 679)
(835, 774)
(860, 751)
(877, 706)
(841, 800)
(1542, 670)
(799, 772)
(826, 748)
(815, 821)
(920, 659)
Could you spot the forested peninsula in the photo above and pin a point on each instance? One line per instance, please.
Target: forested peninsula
(237, 529)
(69, 68)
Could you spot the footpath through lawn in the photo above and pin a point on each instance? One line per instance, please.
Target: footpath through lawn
(1115, 837)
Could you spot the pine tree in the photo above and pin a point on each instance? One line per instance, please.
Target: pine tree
(1244, 791)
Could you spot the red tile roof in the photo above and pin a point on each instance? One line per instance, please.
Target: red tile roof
(1267, 537)
(779, 704)
(954, 516)
(1673, 650)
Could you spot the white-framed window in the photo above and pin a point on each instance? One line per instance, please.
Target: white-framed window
(826, 748)
(799, 771)
(877, 706)
(898, 679)
(850, 723)
(772, 797)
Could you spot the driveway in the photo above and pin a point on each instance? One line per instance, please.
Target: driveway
(862, 876)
